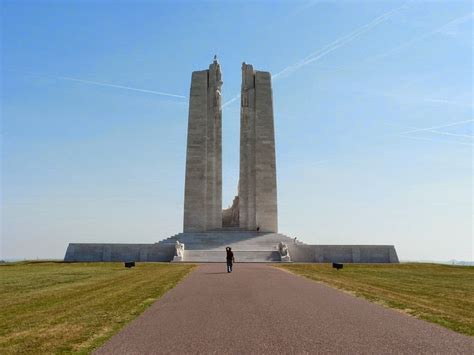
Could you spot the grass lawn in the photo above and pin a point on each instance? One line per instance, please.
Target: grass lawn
(441, 294)
(52, 307)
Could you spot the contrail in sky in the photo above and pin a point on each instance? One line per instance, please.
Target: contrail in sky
(227, 103)
(121, 87)
(435, 140)
(331, 46)
(451, 134)
(449, 102)
(457, 20)
(436, 127)
(339, 42)
(435, 131)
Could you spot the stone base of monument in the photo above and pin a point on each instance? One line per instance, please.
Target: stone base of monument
(248, 246)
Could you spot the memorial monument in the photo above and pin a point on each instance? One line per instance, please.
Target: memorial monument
(250, 225)
(257, 199)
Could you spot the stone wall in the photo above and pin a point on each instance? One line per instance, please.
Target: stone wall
(93, 252)
(230, 216)
(343, 253)
(164, 252)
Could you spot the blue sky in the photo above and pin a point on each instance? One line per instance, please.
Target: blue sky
(373, 113)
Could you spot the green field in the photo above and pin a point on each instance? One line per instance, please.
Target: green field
(52, 307)
(442, 294)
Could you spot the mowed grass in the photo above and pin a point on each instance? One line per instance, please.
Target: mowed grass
(442, 294)
(53, 307)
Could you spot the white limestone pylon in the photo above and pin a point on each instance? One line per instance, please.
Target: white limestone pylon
(203, 181)
(257, 180)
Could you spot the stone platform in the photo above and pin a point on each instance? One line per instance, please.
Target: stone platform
(248, 246)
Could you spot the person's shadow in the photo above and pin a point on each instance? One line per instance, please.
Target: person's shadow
(215, 273)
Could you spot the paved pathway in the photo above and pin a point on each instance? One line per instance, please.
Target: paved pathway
(260, 309)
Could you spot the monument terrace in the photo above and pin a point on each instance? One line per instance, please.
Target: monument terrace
(250, 225)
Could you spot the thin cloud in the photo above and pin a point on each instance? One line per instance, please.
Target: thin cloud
(339, 42)
(161, 93)
(434, 140)
(448, 102)
(443, 133)
(227, 103)
(451, 134)
(305, 7)
(408, 43)
(436, 127)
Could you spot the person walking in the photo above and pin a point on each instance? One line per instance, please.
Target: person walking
(230, 258)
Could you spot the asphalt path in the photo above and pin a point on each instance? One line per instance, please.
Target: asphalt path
(260, 309)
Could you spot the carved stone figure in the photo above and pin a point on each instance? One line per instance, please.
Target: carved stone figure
(217, 99)
(179, 250)
(284, 253)
(283, 248)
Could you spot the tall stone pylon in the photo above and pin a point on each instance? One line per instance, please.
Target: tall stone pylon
(257, 181)
(203, 181)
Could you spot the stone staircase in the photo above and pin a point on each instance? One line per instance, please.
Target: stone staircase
(214, 256)
(248, 246)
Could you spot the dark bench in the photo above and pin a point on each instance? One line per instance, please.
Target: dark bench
(337, 266)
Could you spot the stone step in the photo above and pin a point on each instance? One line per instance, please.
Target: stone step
(263, 248)
(248, 246)
(231, 237)
(248, 256)
(230, 229)
(239, 246)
